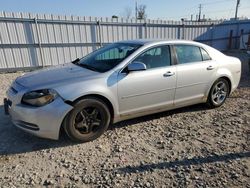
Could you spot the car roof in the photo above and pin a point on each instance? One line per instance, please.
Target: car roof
(159, 41)
(151, 42)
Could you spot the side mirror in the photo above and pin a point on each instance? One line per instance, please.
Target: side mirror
(136, 66)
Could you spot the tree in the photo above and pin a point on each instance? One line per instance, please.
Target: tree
(141, 12)
(127, 12)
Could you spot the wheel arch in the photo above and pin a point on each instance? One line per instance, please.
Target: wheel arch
(228, 81)
(97, 96)
(227, 78)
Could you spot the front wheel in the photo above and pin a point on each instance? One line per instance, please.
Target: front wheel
(218, 93)
(88, 120)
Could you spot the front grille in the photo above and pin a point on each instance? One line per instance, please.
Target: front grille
(27, 125)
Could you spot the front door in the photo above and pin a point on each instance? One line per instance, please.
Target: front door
(149, 89)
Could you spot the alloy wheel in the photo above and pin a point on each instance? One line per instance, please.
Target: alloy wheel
(88, 120)
(219, 93)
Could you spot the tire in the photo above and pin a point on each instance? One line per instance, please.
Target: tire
(218, 93)
(88, 120)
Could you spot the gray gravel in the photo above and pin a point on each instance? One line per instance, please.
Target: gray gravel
(189, 147)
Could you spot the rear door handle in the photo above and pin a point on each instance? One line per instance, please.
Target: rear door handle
(210, 67)
(169, 73)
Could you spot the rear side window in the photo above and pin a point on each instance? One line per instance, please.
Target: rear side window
(188, 53)
(205, 55)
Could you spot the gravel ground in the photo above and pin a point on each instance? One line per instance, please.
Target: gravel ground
(189, 147)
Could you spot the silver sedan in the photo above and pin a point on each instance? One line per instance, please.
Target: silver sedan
(120, 81)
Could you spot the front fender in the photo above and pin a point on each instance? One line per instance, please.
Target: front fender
(73, 91)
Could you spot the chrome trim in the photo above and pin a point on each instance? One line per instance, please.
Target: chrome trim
(191, 85)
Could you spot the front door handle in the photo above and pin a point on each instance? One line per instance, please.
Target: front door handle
(169, 73)
(210, 67)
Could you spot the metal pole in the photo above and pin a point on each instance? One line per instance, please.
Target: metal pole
(230, 40)
(237, 39)
(236, 10)
(183, 30)
(212, 34)
(146, 32)
(99, 32)
(199, 19)
(39, 42)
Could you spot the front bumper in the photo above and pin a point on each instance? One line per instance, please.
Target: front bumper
(42, 121)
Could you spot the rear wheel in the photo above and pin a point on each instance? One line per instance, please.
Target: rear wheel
(88, 120)
(218, 93)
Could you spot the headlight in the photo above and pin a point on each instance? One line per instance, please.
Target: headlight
(39, 97)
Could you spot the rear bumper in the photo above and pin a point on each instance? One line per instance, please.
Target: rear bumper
(43, 121)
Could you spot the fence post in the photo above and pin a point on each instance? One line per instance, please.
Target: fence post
(212, 34)
(39, 42)
(237, 38)
(145, 27)
(183, 31)
(179, 32)
(230, 40)
(241, 37)
(99, 32)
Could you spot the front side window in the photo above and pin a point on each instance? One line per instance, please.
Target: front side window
(188, 53)
(156, 57)
(107, 57)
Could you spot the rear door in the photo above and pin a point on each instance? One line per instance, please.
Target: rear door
(195, 70)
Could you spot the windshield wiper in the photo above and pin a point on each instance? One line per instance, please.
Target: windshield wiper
(88, 67)
(76, 61)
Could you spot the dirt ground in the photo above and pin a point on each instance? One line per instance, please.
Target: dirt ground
(189, 147)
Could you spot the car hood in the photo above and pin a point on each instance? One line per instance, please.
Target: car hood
(55, 76)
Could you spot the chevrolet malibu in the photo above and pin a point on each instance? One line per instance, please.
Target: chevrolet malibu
(120, 81)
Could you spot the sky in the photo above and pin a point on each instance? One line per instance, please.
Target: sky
(155, 9)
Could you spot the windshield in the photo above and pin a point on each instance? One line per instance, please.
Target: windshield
(107, 57)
